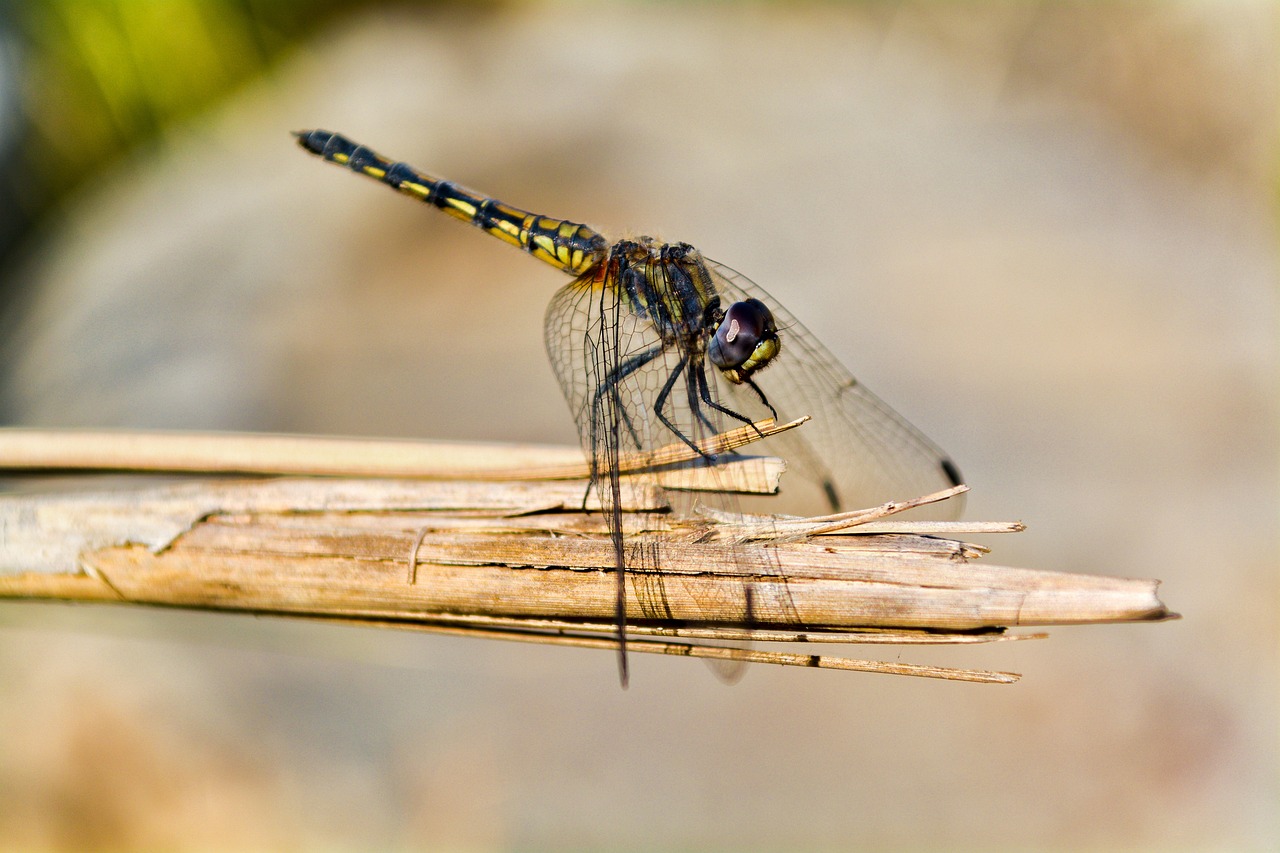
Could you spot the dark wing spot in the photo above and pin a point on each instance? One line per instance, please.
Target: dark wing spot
(833, 497)
(952, 472)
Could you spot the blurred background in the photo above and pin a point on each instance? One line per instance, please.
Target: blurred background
(1045, 232)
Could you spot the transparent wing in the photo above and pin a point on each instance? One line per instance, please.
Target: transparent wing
(584, 339)
(857, 450)
(617, 373)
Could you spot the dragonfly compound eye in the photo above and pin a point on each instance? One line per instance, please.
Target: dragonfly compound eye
(746, 340)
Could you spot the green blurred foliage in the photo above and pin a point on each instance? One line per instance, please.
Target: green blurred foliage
(101, 76)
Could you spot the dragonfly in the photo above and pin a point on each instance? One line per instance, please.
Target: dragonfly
(653, 344)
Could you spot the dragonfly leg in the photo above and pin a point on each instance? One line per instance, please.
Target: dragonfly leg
(763, 398)
(660, 403)
(704, 390)
(609, 386)
(691, 386)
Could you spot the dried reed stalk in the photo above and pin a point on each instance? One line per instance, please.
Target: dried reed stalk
(516, 560)
(260, 453)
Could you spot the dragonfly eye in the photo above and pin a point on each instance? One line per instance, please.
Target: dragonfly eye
(745, 341)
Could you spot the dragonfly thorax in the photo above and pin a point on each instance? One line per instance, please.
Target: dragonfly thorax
(671, 285)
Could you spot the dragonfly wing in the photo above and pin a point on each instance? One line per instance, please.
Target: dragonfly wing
(617, 372)
(611, 364)
(607, 359)
(626, 385)
(856, 449)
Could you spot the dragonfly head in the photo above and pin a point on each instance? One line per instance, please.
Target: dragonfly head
(745, 340)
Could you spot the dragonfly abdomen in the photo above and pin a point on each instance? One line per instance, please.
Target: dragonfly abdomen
(568, 246)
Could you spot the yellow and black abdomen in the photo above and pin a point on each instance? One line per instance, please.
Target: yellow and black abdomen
(567, 246)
